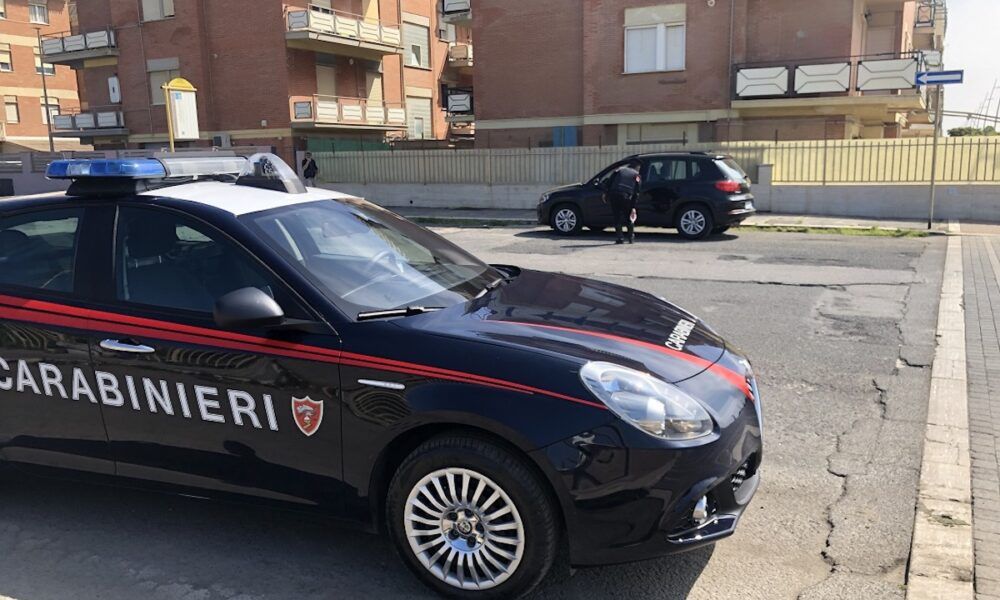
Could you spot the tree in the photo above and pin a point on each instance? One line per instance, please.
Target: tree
(972, 131)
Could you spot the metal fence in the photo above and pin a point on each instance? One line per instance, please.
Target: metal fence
(960, 160)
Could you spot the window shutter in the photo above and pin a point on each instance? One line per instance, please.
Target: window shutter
(416, 38)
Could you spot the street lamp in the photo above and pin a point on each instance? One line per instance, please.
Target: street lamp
(45, 90)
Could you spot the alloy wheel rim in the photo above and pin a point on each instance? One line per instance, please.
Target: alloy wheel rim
(464, 529)
(693, 222)
(565, 220)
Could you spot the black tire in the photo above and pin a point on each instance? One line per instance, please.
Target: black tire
(596, 228)
(566, 219)
(694, 222)
(532, 508)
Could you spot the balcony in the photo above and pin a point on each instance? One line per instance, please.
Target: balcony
(461, 108)
(456, 11)
(931, 24)
(101, 123)
(871, 89)
(320, 29)
(76, 49)
(335, 112)
(460, 57)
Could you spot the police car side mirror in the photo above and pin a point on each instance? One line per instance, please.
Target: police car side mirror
(247, 308)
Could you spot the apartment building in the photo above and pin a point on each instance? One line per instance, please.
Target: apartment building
(293, 75)
(589, 72)
(28, 103)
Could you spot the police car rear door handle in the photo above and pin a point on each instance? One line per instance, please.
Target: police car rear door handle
(116, 346)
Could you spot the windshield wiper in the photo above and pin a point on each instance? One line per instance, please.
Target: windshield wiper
(492, 286)
(408, 311)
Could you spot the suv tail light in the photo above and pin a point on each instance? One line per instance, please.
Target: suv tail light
(730, 187)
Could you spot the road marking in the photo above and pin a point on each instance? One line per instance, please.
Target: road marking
(941, 555)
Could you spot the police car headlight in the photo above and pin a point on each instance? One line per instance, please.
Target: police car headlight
(653, 406)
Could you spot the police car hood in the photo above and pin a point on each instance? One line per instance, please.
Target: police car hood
(584, 319)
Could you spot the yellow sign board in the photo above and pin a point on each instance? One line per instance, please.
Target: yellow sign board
(182, 110)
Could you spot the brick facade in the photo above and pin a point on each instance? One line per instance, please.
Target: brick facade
(25, 84)
(544, 67)
(236, 54)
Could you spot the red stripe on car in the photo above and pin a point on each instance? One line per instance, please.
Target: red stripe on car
(729, 375)
(59, 315)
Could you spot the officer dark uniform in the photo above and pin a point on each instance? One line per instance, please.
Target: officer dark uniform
(623, 193)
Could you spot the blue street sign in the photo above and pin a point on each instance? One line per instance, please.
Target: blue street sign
(940, 77)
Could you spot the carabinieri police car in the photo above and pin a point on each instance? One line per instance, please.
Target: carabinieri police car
(212, 326)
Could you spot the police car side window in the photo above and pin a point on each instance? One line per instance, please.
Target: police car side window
(166, 260)
(38, 249)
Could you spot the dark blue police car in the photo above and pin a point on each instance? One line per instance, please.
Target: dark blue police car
(214, 326)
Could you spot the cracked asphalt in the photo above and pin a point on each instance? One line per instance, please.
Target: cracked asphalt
(841, 331)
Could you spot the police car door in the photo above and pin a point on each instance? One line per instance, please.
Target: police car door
(233, 411)
(49, 412)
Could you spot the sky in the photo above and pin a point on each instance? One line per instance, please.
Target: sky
(973, 44)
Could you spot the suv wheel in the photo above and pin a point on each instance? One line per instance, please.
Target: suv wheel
(567, 220)
(694, 222)
(471, 520)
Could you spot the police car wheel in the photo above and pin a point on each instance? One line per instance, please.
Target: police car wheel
(567, 220)
(471, 520)
(694, 222)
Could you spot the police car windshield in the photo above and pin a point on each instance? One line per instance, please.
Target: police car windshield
(366, 259)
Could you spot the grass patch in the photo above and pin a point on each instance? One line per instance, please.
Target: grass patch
(854, 231)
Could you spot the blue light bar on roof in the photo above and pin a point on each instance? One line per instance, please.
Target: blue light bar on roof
(131, 168)
(147, 168)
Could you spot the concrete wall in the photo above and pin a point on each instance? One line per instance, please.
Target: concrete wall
(963, 202)
(966, 202)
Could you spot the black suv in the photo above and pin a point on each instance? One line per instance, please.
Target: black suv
(697, 193)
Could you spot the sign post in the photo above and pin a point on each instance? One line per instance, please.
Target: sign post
(937, 79)
(182, 110)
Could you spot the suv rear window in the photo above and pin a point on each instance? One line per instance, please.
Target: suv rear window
(731, 169)
(38, 250)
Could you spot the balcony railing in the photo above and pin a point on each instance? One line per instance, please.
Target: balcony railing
(456, 11)
(319, 24)
(67, 48)
(346, 112)
(99, 122)
(460, 55)
(848, 76)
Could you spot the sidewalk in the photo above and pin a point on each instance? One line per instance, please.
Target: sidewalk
(527, 218)
(982, 302)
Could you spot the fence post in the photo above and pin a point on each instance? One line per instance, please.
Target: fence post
(489, 166)
(826, 147)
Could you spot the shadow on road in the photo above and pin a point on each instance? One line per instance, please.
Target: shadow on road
(641, 237)
(65, 539)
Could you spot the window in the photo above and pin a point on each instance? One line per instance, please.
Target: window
(38, 11)
(156, 81)
(155, 10)
(171, 261)
(50, 108)
(40, 67)
(418, 112)
(417, 40)
(659, 47)
(10, 109)
(38, 250)
(675, 169)
(3, 9)
(6, 63)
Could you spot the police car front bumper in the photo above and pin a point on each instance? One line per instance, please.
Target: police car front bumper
(626, 499)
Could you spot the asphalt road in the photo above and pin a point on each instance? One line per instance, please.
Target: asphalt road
(841, 331)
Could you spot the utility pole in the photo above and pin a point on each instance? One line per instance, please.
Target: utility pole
(938, 109)
(45, 91)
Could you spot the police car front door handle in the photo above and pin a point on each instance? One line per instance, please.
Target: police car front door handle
(116, 346)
